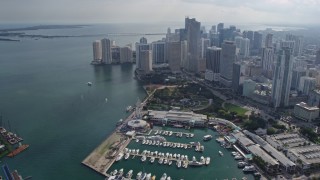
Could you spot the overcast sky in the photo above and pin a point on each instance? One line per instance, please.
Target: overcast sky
(109, 11)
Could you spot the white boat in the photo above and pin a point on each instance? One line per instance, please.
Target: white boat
(202, 160)
(129, 174)
(178, 156)
(120, 173)
(125, 150)
(250, 168)
(144, 142)
(164, 176)
(89, 83)
(185, 164)
(165, 161)
(178, 163)
(182, 157)
(114, 172)
(170, 162)
(129, 108)
(119, 157)
(152, 159)
(221, 154)
(238, 157)
(137, 151)
(143, 176)
(170, 133)
(208, 160)
(126, 156)
(148, 177)
(139, 175)
(156, 132)
(169, 178)
(178, 145)
(133, 151)
(160, 161)
(191, 135)
(144, 158)
(201, 148)
(207, 137)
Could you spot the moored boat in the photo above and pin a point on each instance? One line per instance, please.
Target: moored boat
(18, 150)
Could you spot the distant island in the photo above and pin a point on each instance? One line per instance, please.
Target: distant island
(43, 27)
(5, 39)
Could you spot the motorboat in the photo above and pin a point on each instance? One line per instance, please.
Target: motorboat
(170, 162)
(202, 160)
(185, 164)
(164, 176)
(114, 172)
(139, 175)
(178, 163)
(129, 174)
(143, 176)
(242, 164)
(127, 156)
(165, 161)
(221, 154)
(207, 137)
(120, 173)
(152, 159)
(119, 157)
(160, 161)
(250, 168)
(144, 158)
(170, 133)
(169, 178)
(89, 83)
(207, 161)
(148, 177)
(238, 157)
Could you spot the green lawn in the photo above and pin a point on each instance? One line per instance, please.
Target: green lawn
(234, 108)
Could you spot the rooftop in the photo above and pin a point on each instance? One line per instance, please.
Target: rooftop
(307, 154)
(306, 107)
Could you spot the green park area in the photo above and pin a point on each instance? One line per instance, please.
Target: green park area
(234, 108)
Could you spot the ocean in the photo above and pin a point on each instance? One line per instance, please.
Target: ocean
(44, 98)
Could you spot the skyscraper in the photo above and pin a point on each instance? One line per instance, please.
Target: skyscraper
(139, 48)
(220, 27)
(296, 75)
(318, 57)
(282, 78)
(268, 41)
(159, 52)
(97, 51)
(228, 57)
(297, 46)
(192, 28)
(257, 43)
(106, 51)
(143, 40)
(205, 43)
(213, 59)
(146, 61)
(175, 55)
(249, 35)
(125, 54)
(244, 47)
(267, 61)
(307, 84)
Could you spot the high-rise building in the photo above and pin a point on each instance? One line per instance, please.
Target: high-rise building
(318, 57)
(213, 59)
(205, 43)
(250, 36)
(192, 28)
(296, 75)
(139, 48)
(125, 54)
(213, 29)
(225, 34)
(236, 74)
(220, 27)
(244, 47)
(143, 40)
(237, 41)
(228, 57)
(297, 43)
(106, 51)
(257, 43)
(159, 52)
(115, 51)
(307, 84)
(282, 78)
(287, 44)
(97, 51)
(267, 61)
(146, 61)
(268, 41)
(175, 55)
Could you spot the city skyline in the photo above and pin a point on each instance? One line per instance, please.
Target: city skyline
(231, 11)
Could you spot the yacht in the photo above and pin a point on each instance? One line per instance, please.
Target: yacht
(187, 135)
(207, 137)
(234, 153)
(165, 161)
(126, 156)
(202, 160)
(169, 178)
(194, 162)
(201, 148)
(144, 142)
(221, 154)
(160, 160)
(152, 159)
(238, 157)
(153, 177)
(174, 155)
(133, 151)
(170, 162)
(129, 108)
(143, 176)
(129, 174)
(156, 132)
(119, 157)
(89, 83)
(170, 133)
(178, 145)
(148, 177)
(144, 158)
(178, 156)
(114, 172)
(138, 177)
(125, 150)
(241, 164)
(185, 164)
(178, 163)
(207, 160)
(249, 169)
(174, 145)
(164, 176)
(191, 135)
(120, 173)
(137, 151)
